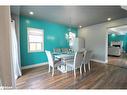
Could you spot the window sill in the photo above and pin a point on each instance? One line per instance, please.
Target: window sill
(35, 51)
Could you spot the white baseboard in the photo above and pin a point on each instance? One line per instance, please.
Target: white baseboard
(45, 63)
(33, 66)
(99, 61)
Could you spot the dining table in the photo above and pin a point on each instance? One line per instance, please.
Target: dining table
(64, 57)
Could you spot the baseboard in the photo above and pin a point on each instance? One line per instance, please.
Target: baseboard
(45, 63)
(99, 61)
(33, 66)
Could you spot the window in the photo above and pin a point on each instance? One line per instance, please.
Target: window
(35, 40)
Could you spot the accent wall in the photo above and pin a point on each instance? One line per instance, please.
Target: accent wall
(54, 37)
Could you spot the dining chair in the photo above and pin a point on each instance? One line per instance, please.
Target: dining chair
(86, 59)
(65, 50)
(53, 63)
(76, 62)
(57, 50)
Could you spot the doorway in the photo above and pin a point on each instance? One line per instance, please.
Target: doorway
(117, 46)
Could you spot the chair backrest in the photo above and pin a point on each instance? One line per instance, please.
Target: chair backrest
(84, 52)
(58, 50)
(88, 57)
(65, 50)
(84, 56)
(78, 59)
(50, 58)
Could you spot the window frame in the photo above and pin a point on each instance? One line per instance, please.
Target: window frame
(28, 42)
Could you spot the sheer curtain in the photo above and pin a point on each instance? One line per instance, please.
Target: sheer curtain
(15, 59)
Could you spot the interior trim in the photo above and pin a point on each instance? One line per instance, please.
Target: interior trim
(33, 66)
(99, 61)
(45, 63)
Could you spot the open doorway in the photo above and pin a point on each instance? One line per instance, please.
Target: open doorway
(117, 46)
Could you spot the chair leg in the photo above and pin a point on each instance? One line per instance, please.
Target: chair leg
(66, 68)
(89, 66)
(74, 73)
(52, 71)
(84, 68)
(81, 70)
(49, 68)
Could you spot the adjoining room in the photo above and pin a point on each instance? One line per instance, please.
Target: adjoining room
(117, 46)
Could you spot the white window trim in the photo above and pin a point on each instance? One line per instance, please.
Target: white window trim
(28, 48)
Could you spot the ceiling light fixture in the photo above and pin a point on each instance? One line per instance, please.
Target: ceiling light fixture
(113, 35)
(31, 13)
(109, 19)
(80, 26)
(69, 25)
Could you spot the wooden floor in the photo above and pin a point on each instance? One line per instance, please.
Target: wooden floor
(120, 61)
(100, 77)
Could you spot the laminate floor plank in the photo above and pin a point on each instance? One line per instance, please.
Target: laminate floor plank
(101, 76)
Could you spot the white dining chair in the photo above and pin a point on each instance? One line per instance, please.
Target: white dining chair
(56, 50)
(86, 59)
(53, 63)
(76, 62)
(64, 50)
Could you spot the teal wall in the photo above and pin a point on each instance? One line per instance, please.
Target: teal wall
(118, 38)
(54, 37)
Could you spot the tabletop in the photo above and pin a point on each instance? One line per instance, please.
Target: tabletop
(65, 56)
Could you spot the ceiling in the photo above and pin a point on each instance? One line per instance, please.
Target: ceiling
(76, 15)
(120, 30)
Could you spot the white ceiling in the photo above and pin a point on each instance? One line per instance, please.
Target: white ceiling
(121, 30)
(80, 15)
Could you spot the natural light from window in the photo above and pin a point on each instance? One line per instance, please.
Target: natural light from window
(35, 40)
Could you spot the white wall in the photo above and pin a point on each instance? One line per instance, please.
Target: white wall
(6, 71)
(96, 38)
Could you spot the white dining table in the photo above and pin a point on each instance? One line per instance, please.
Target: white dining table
(64, 58)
